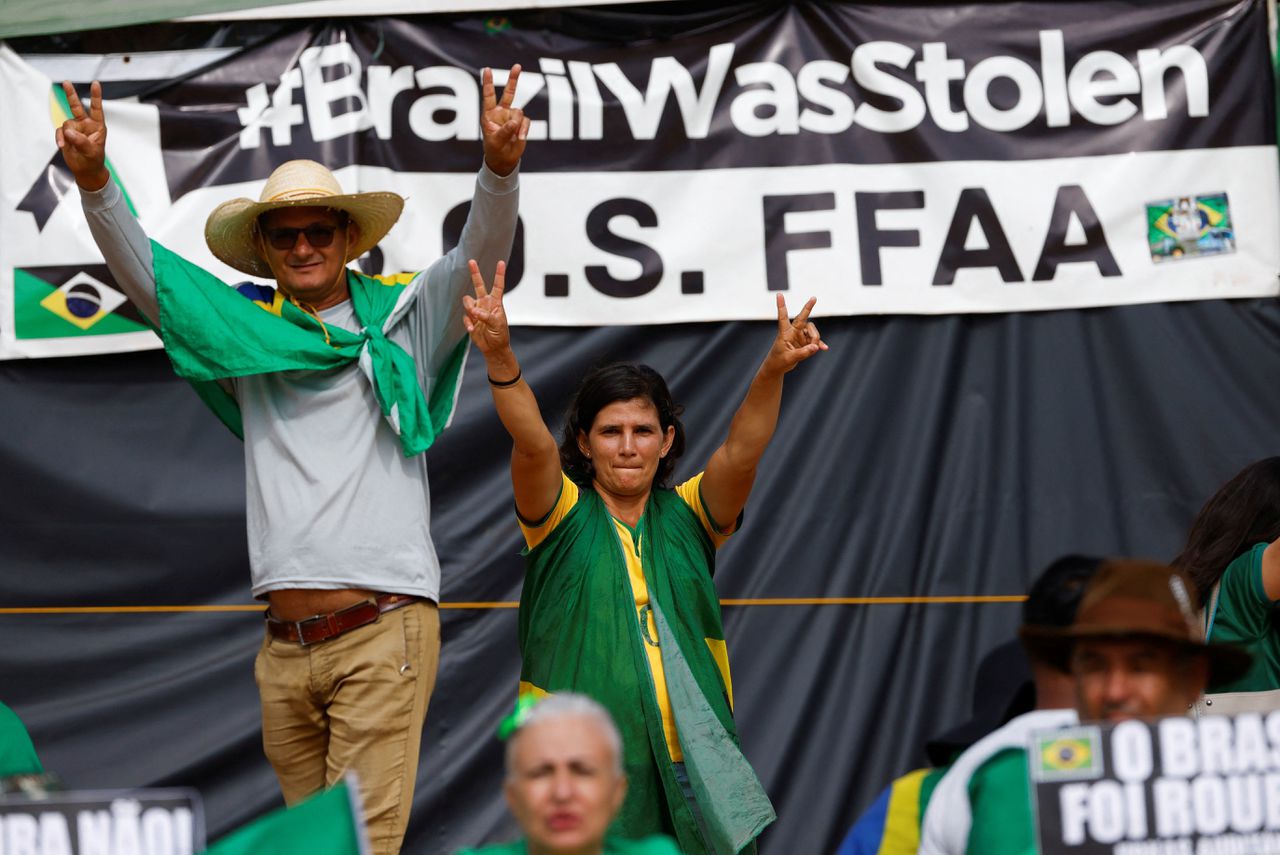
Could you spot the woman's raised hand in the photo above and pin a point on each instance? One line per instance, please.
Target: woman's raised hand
(485, 318)
(797, 340)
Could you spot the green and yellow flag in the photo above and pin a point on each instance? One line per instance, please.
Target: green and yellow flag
(329, 823)
(212, 332)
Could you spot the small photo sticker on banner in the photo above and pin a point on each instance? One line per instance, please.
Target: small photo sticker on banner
(1190, 226)
(1068, 755)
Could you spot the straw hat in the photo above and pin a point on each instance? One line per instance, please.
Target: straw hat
(1130, 598)
(229, 231)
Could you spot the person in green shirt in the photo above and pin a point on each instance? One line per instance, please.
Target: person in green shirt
(1232, 554)
(1135, 650)
(1002, 690)
(618, 599)
(970, 808)
(565, 782)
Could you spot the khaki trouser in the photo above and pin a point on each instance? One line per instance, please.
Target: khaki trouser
(356, 702)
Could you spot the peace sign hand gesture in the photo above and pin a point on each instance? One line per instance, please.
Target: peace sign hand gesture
(83, 138)
(485, 318)
(797, 340)
(505, 128)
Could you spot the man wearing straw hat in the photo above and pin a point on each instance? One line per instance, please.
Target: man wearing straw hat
(337, 382)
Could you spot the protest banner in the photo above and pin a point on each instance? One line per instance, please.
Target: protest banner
(1174, 786)
(126, 822)
(1082, 154)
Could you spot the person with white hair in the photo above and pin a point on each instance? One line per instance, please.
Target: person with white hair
(337, 381)
(565, 782)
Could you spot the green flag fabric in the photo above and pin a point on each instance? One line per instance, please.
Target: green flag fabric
(731, 799)
(213, 332)
(17, 754)
(325, 824)
(579, 631)
(1000, 795)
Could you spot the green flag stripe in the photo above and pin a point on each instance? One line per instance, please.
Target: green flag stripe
(325, 824)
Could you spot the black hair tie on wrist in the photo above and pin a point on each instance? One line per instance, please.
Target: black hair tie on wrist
(506, 384)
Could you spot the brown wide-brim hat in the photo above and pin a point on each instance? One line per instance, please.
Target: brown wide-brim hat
(1133, 599)
(231, 228)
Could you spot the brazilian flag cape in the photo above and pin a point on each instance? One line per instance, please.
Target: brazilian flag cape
(580, 631)
(212, 332)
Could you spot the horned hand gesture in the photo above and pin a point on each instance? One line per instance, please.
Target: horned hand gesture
(485, 319)
(797, 340)
(504, 127)
(83, 139)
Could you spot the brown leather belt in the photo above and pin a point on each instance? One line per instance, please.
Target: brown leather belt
(319, 628)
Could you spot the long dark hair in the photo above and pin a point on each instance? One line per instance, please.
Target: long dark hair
(618, 381)
(1245, 511)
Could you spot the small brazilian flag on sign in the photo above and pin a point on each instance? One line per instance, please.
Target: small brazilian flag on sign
(1067, 755)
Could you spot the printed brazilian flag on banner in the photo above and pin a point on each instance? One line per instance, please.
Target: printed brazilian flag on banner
(64, 302)
(1067, 755)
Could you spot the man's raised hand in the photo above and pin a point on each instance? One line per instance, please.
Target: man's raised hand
(504, 127)
(797, 340)
(83, 138)
(484, 318)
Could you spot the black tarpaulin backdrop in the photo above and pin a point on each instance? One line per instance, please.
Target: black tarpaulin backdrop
(919, 456)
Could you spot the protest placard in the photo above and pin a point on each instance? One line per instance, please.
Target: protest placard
(125, 822)
(1173, 786)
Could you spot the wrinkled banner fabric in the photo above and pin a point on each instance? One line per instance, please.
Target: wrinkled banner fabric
(939, 457)
(886, 159)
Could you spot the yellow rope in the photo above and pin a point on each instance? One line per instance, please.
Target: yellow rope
(511, 604)
(309, 311)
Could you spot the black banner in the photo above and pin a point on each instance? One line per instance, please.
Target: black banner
(801, 84)
(685, 166)
(142, 822)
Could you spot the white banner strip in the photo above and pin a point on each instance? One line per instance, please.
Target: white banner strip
(712, 223)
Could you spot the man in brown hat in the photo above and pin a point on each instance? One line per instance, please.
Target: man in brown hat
(336, 381)
(1135, 650)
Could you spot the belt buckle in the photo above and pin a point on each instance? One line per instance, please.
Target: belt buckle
(330, 623)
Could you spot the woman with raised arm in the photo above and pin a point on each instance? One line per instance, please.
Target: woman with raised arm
(1232, 554)
(618, 601)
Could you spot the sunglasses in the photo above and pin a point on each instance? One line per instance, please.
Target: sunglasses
(318, 236)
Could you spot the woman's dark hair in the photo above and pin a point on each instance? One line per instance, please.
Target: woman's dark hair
(1245, 511)
(618, 381)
